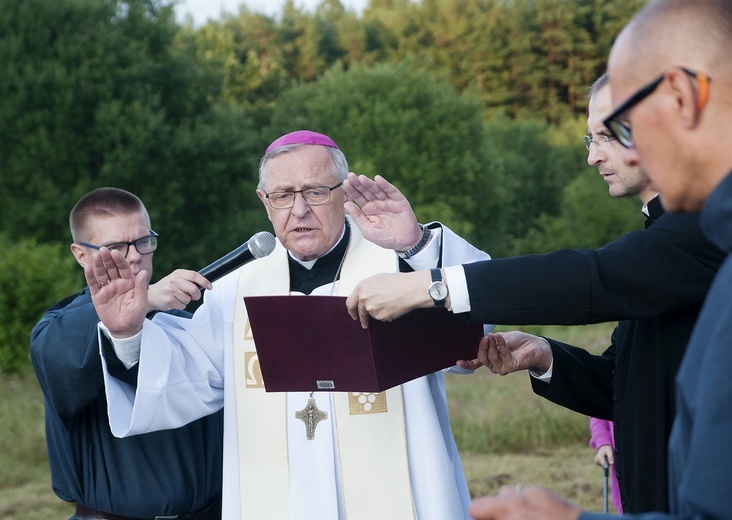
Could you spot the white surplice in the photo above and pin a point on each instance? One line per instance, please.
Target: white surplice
(182, 368)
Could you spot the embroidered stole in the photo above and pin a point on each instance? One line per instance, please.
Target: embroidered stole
(370, 428)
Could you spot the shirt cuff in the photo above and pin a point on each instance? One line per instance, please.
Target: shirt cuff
(126, 349)
(546, 376)
(458, 286)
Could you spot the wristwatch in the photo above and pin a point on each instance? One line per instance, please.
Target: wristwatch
(438, 288)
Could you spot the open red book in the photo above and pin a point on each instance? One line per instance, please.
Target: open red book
(310, 343)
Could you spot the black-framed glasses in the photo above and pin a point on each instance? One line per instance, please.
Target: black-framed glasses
(601, 140)
(621, 130)
(312, 196)
(144, 245)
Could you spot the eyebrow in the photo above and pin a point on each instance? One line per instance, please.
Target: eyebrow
(601, 132)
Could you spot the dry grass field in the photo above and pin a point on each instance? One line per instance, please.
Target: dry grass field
(505, 433)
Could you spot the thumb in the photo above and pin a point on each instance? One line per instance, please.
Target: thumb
(141, 281)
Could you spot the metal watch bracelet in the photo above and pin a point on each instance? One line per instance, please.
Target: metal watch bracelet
(426, 232)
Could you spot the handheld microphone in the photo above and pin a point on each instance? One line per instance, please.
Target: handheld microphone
(260, 245)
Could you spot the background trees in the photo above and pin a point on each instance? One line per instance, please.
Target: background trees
(474, 108)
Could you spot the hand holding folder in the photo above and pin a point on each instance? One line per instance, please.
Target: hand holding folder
(310, 343)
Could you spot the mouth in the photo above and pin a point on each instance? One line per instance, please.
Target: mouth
(302, 230)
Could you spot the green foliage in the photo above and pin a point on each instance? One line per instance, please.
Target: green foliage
(527, 164)
(472, 107)
(589, 217)
(402, 123)
(107, 93)
(33, 278)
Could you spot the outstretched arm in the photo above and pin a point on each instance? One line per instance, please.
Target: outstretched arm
(381, 212)
(120, 298)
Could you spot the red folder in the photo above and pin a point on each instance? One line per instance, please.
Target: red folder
(310, 343)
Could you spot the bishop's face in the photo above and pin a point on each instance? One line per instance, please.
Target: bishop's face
(308, 232)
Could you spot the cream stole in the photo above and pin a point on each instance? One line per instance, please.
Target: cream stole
(370, 428)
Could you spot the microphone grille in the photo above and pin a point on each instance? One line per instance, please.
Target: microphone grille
(261, 244)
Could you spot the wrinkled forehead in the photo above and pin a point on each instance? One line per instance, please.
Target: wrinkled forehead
(304, 166)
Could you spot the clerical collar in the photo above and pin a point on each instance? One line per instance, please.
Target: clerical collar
(308, 264)
(655, 210)
(305, 279)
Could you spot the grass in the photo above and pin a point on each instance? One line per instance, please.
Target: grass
(25, 480)
(505, 433)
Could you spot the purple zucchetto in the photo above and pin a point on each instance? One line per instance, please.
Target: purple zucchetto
(301, 137)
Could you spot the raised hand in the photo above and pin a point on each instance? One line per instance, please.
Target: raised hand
(381, 212)
(120, 298)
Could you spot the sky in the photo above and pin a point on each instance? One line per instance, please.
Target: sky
(203, 10)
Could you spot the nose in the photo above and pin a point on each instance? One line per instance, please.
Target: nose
(299, 208)
(595, 156)
(133, 255)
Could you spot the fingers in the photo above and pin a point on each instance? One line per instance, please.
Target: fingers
(357, 308)
(507, 359)
(352, 304)
(488, 353)
(495, 354)
(109, 266)
(362, 189)
(176, 290)
(472, 364)
(91, 281)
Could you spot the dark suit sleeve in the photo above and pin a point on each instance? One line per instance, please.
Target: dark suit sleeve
(642, 274)
(580, 381)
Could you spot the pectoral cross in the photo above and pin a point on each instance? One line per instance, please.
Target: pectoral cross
(311, 416)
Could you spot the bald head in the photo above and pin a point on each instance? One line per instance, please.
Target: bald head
(693, 33)
(679, 133)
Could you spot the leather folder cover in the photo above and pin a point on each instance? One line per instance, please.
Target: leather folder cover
(311, 343)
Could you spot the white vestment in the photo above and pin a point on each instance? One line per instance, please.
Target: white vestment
(182, 369)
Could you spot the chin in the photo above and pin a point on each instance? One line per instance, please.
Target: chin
(672, 205)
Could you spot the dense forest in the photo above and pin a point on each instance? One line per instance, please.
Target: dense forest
(475, 109)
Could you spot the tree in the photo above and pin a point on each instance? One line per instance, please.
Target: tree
(105, 92)
(402, 123)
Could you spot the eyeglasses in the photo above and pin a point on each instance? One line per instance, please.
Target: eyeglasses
(144, 245)
(312, 196)
(621, 130)
(602, 139)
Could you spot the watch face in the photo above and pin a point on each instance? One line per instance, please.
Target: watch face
(438, 291)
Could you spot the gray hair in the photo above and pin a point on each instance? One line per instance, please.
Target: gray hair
(337, 159)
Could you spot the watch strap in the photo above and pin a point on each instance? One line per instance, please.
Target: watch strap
(426, 232)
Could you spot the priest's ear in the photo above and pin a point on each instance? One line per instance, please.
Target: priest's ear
(263, 197)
